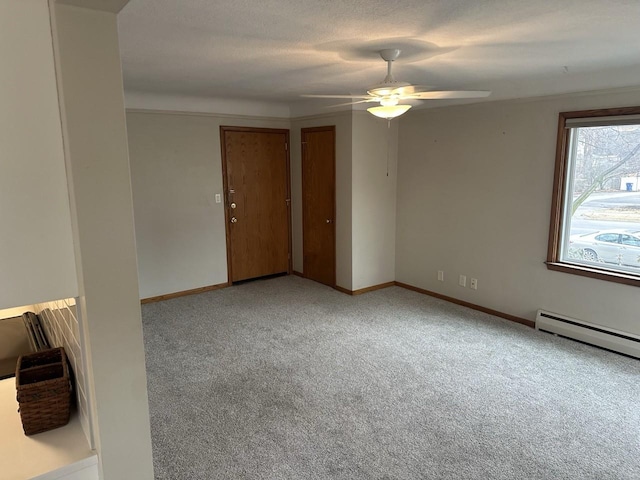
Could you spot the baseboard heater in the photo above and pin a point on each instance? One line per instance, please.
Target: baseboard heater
(586, 332)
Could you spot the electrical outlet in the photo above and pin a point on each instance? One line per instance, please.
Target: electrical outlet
(462, 281)
(441, 275)
(218, 198)
(474, 284)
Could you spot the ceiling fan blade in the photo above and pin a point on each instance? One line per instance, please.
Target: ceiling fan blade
(411, 89)
(390, 91)
(337, 96)
(353, 103)
(444, 94)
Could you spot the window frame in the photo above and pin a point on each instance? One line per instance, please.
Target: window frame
(558, 203)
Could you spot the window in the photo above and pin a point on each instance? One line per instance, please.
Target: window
(629, 240)
(595, 217)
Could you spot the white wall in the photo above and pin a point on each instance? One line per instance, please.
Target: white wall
(176, 171)
(343, 124)
(37, 258)
(94, 127)
(474, 198)
(375, 147)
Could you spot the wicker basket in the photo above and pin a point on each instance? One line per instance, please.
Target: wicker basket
(43, 390)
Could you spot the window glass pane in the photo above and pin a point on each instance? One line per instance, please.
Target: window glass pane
(608, 237)
(629, 240)
(602, 215)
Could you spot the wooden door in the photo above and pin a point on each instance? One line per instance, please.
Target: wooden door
(255, 165)
(318, 204)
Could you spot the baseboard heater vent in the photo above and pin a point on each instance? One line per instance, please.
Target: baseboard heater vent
(610, 339)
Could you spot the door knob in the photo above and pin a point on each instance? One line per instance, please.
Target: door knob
(234, 220)
(329, 220)
(233, 205)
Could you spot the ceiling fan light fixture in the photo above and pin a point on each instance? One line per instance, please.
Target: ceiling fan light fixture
(388, 112)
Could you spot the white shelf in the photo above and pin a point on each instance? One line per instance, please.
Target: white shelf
(56, 454)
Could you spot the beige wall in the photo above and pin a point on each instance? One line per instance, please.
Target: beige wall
(94, 128)
(343, 124)
(474, 198)
(375, 147)
(36, 259)
(365, 197)
(176, 171)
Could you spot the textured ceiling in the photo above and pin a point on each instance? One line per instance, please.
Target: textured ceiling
(276, 50)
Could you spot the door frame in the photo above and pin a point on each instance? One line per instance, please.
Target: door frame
(303, 131)
(225, 188)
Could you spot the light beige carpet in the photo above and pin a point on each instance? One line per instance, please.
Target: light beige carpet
(289, 379)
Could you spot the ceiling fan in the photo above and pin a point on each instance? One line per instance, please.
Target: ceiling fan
(390, 92)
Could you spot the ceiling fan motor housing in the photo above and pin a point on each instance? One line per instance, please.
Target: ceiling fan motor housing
(389, 84)
(390, 54)
(386, 88)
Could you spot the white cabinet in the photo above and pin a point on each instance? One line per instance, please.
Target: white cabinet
(36, 243)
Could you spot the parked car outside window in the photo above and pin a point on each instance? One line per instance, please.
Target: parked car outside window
(618, 247)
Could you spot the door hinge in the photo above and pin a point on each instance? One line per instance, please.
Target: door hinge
(286, 146)
(288, 202)
(289, 256)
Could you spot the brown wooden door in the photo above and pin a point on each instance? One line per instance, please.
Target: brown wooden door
(318, 204)
(255, 166)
